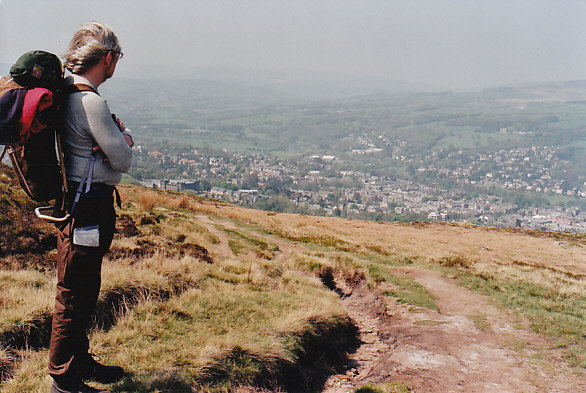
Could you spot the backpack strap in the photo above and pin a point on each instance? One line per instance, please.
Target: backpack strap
(18, 170)
(7, 83)
(78, 87)
(86, 181)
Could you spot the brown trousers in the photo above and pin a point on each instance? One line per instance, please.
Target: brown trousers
(78, 286)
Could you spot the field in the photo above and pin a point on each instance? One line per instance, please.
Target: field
(253, 119)
(198, 295)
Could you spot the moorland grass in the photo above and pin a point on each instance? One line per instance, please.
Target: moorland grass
(147, 201)
(243, 319)
(25, 295)
(233, 322)
(30, 375)
(200, 330)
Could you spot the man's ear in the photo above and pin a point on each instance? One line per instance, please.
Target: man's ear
(108, 58)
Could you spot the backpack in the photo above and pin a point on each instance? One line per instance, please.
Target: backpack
(29, 107)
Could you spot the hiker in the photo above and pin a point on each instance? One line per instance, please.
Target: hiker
(97, 150)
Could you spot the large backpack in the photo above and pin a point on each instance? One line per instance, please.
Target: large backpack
(29, 102)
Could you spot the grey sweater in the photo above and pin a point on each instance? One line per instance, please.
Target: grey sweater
(87, 122)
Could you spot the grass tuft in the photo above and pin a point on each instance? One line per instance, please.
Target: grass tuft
(147, 201)
(390, 387)
(455, 261)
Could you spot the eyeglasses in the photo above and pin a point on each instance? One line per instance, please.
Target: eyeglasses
(119, 53)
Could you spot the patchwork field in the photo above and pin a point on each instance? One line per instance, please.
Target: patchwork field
(199, 295)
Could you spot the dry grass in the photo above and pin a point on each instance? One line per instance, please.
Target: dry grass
(147, 201)
(7, 361)
(31, 376)
(25, 295)
(200, 328)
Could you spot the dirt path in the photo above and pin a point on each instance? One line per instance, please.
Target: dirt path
(469, 346)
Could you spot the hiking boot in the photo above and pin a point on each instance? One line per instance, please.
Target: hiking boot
(82, 388)
(91, 370)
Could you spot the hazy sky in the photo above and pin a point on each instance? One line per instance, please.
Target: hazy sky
(415, 44)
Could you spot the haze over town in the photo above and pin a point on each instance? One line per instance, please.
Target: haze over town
(391, 45)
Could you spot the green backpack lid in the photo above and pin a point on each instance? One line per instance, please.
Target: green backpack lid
(38, 69)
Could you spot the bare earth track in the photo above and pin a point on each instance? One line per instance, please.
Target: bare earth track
(446, 351)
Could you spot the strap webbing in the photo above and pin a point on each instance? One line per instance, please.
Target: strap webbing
(85, 180)
(70, 89)
(18, 170)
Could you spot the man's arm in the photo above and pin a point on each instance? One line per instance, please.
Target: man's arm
(111, 141)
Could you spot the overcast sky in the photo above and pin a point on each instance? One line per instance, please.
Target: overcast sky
(407, 44)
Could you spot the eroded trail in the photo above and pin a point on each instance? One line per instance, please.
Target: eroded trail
(469, 346)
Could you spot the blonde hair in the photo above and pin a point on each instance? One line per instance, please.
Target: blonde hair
(88, 45)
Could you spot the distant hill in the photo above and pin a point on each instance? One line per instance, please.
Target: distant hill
(193, 93)
(564, 91)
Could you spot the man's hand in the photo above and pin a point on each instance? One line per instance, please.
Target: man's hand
(120, 123)
(127, 137)
(129, 140)
(97, 149)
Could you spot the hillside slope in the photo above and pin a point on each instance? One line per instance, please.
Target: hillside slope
(203, 296)
(24, 237)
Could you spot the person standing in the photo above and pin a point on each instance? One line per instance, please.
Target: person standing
(97, 150)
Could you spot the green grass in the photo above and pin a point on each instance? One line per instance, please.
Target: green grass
(251, 240)
(325, 241)
(480, 321)
(552, 301)
(237, 247)
(558, 315)
(406, 290)
(389, 387)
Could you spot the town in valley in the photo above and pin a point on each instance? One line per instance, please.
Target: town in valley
(510, 157)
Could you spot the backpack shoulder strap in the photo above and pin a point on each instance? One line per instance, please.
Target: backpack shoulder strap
(7, 83)
(77, 87)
